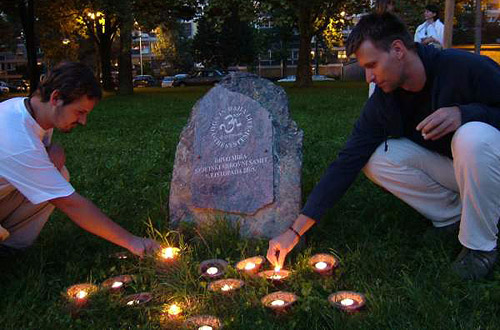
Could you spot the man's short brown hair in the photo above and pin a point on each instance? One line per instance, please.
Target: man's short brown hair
(73, 80)
(381, 29)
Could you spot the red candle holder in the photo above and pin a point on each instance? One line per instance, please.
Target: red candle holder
(227, 286)
(276, 276)
(137, 299)
(203, 322)
(79, 295)
(213, 268)
(348, 301)
(323, 263)
(250, 265)
(117, 283)
(279, 302)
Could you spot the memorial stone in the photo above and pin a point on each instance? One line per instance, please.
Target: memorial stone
(239, 158)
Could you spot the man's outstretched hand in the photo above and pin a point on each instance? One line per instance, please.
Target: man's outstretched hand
(280, 246)
(141, 246)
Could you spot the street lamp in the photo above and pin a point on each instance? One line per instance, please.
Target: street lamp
(140, 46)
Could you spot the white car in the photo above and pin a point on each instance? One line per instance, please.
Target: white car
(167, 81)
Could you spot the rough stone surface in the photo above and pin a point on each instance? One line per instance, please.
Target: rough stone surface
(239, 158)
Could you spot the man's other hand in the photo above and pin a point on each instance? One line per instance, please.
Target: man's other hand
(141, 246)
(440, 123)
(56, 155)
(280, 246)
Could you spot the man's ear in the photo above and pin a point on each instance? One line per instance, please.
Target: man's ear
(55, 98)
(399, 49)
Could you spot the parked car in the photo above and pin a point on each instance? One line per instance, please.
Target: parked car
(315, 77)
(144, 81)
(202, 77)
(167, 81)
(4, 88)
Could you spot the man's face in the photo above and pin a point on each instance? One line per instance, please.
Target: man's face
(381, 67)
(68, 116)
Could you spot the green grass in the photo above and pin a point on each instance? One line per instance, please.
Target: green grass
(123, 162)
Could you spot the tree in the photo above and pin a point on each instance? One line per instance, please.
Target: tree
(312, 17)
(224, 38)
(25, 10)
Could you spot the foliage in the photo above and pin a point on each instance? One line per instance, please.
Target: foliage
(122, 160)
(225, 35)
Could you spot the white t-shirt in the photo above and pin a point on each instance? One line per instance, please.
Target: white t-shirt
(24, 162)
(426, 30)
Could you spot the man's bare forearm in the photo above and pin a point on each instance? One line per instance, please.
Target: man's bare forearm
(88, 216)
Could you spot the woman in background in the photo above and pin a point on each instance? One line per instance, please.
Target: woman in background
(431, 32)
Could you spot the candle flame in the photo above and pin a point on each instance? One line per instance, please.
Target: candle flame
(167, 253)
(226, 287)
(133, 302)
(205, 327)
(212, 270)
(249, 266)
(277, 269)
(346, 302)
(321, 265)
(174, 310)
(277, 302)
(81, 294)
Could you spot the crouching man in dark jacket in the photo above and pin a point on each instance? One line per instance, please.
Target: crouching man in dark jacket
(429, 135)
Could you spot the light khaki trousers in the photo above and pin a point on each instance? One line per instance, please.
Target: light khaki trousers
(465, 189)
(22, 219)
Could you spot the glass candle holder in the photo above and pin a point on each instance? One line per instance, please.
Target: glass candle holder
(250, 265)
(117, 283)
(137, 299)
(79, 294)
(203, 322)
(323, 263)
(279, 302)
(227, 286)
(213, 268)
(348, 301)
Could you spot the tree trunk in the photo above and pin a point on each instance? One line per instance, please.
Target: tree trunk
(304, 78)
(125, 59)
(477, 34)
(105, 55)
(448, 23)
(27, 14)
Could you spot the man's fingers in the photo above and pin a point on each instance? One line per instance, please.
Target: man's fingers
(281, 258)
(439, 131)
(271, 253)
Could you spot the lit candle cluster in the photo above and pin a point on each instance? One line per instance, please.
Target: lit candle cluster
(213, 269)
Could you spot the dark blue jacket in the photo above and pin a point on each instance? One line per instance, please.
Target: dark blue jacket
(454, 78)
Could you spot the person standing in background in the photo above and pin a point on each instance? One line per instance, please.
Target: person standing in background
(431, 32)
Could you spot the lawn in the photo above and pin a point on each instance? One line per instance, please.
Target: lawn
(123, 162)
